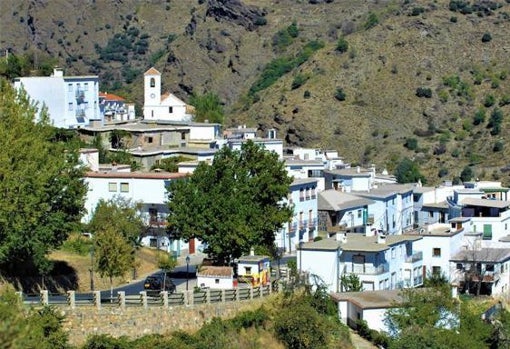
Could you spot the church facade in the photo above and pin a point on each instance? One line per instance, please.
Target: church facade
(162, 107)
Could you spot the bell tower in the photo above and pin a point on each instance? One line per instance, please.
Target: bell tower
(152, 93)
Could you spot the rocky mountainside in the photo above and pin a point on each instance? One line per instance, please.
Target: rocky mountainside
(420, 79)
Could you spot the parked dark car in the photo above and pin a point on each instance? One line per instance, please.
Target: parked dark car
(154, 284)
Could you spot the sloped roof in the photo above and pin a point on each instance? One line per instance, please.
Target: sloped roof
(212, 271)
(334, 200)
(152, 71)
(111, 97)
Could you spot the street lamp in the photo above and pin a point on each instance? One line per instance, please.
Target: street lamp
(187, 272)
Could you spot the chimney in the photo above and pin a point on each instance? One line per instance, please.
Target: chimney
(381, 239)
(369, 230)
(358, 169)
(341, 236)
(252, 252)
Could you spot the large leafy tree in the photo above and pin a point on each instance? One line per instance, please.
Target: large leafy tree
(41, 185)
(233, 205)
(431, 318)
(407, 171)
(116, 226)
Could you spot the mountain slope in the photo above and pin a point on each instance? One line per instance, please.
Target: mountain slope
(434, 49)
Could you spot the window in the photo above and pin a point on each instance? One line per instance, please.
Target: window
(153, 82)
(247, 270)
(359, 213)
(436, 270)
(183, 136)
(393, 252)
(170, 110)
(70, 87)
(86, 86)
(436, 252)
(124, 187)
(301, 194)
(460, 266)
(489, 267)
(112, 187)
(70, 107)
(216, 281)
(148, 139)
(152, 113)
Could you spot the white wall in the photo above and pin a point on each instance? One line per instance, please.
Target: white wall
(201, 132)
(215, 282)
(323, 264)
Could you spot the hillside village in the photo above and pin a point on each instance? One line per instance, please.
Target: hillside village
(346, 219)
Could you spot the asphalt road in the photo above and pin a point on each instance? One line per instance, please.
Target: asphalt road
(181, 277)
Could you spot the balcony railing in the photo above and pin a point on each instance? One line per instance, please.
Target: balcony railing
(367, 269)
(312, 223)
(303, 225)
(293, 226)
(415, 257)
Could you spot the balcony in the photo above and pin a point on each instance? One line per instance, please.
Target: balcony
(312, 223)
(415, 257)
(303, 225)
(367, 269)
(293, 226)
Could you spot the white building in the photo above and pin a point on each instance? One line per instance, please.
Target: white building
(439, 243)
(212, 277)
(380, 262)
(165, 106)
(146, 189)
(72, 101)
(303, 225)
(114, 108)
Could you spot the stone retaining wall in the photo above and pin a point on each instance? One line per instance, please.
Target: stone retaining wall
(133, 322)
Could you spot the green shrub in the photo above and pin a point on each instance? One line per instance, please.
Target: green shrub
(498, 146)
(442, 172)
(416, 11)
(298, 81)
(342, 45)
(371, 21)
(486, 37)
(78, 244)
(260, 21)
(300, 326)
(424, 92)
(307, 94)
(411, 143)
(479, 117)
(340, 94)
(489, 101)
(293, 30)
(505, 100)
(453, 19)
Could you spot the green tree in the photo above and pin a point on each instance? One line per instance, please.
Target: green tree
(233, 205)
(407, 171)
(351, 283)
(41, 184)
(166, 262)
(372, 21)
(207, 107)
(116, 226)
(467, 174)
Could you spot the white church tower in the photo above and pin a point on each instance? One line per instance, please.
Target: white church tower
(167, 107)
(152, 93)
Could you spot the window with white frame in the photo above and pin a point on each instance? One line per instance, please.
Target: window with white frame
(70, 107)
(436, 252)
(124, 187)
(112, 187)
(86, 86)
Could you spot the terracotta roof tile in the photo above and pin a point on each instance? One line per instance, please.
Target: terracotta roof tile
(152, 71)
